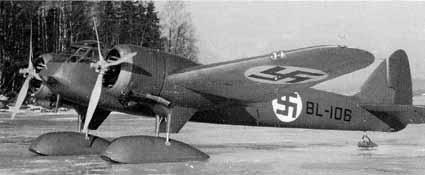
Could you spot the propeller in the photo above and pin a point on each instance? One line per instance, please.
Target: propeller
(101, 67)
(58, 97)
(29, 73)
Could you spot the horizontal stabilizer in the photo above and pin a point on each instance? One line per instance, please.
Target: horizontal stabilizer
(407, 114)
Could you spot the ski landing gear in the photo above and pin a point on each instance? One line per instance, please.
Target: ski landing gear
(127, 149)
(366, 142)
(152, 149)
(69, 143)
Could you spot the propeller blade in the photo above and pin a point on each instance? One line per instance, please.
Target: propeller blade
(94, 100)
(24, 89)
(98, 42)
(30, 66)
(123, 59)
(21, 96)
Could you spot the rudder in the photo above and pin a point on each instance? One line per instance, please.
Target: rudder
(400, 78)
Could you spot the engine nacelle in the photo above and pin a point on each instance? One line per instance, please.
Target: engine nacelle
(142, 75)
(43, 92)
(45, 97)
(145, 72)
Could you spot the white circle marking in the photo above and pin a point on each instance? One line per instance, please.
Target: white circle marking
(287, 109)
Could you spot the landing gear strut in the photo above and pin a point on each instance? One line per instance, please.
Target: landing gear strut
(158, 120)
(80, 122)
(167, 135)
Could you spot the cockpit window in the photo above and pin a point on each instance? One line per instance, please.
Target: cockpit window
(92, 54)
(73, 59)
(77, 55)
(70, 50)
(81, 51)
(86, 60)
(90, 57)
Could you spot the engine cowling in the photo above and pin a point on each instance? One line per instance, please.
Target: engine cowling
(144, 73)
(129, 82)
(44, 97)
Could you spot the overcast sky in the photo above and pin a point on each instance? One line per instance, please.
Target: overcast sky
(231, 30)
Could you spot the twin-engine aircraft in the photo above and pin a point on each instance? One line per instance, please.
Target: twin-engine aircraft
(269, 90)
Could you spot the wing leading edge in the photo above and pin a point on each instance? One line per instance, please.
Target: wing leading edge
(261, 78)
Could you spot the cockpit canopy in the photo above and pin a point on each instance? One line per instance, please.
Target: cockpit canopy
(83, 52)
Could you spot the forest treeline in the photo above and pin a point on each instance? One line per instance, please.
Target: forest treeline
(56, 25)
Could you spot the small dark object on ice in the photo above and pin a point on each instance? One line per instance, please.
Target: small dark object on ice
(366, 142)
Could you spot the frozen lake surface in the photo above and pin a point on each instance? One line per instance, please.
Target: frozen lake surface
(233, 149)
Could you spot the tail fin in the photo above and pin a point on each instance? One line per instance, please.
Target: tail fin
(389, 87)
(399, 77)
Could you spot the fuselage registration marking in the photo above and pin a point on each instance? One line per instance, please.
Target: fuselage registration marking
(274, 74)
(334, 112)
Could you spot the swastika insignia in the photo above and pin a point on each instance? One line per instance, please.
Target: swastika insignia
(284, 74)
(287, 108)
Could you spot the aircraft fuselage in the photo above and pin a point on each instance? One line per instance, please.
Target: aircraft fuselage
(126, 86)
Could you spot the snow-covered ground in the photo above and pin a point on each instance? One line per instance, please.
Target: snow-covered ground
(233, 149)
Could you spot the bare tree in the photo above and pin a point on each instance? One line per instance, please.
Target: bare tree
(178, 30)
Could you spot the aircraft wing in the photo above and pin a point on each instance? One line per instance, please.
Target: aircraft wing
(260, 78)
